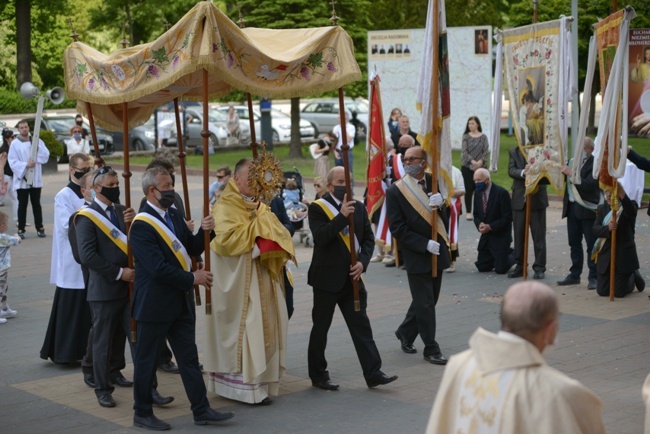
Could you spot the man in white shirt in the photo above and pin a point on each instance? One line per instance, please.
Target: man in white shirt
(20, 161)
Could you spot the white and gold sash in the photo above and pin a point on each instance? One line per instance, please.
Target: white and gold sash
(170, 239)
(332, 212)
(419, 200)
(105, 225)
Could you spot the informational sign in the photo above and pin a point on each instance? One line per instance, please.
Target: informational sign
(470, 74)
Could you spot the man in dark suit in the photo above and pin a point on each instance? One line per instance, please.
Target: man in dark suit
(108, 276)
(579, 208)
(331, 275)
(493, 219)
(409, 215)
(517, 169)
(627, 263)
(163, 299)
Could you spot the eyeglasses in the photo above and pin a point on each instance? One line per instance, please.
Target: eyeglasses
(101, 171)
(221, 176)
(77, 132)
(317, 185)
(412, 159)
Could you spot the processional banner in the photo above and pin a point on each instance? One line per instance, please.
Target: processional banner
(435, 47)
(639, 86)
(535, 61)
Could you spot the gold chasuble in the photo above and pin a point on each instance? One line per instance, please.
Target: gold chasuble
(246, 333)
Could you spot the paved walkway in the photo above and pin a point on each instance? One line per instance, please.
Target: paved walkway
(603, 344)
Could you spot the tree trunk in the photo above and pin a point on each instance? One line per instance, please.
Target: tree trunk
(23, 42)
(591, 127)
(295, 145)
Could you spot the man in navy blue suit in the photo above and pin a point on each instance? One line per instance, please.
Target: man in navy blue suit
(163, 299)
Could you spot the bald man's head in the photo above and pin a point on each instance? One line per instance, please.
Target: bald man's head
(530, 310)
(405, 142)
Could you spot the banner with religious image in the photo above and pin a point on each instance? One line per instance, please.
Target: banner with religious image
(639, 85)
(536, 59)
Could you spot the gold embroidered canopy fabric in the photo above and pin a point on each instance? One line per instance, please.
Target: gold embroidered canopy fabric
(269, 63)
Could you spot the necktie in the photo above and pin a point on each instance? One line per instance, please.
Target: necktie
(168, 220)
(423, 184)
(111, 215)
(485, 200)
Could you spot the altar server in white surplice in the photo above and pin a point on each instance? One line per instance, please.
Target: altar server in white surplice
(67, 331)
(502, 383)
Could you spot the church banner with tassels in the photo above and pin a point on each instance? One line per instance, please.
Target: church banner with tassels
(441, 126)
(534, 63)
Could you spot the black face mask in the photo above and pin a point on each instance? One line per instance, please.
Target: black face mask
(166, 198)
(79, 175)
(111, 193)
(339, 192)
(80, 123)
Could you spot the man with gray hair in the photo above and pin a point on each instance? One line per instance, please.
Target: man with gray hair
(502, 384)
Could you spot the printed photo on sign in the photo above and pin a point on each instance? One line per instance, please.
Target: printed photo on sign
(481, 43)
(531, 105)
(639, 84)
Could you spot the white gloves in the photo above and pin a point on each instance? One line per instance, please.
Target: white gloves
(433, 247)
(435, 200)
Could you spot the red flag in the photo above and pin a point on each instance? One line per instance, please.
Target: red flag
(376, 151)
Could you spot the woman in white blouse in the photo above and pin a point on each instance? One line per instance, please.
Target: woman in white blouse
(76, 143)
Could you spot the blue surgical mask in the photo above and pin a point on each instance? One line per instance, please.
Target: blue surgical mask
(481, 186)
(93, 194)
(76, 136)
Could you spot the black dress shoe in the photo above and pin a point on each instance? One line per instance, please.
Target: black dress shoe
(539, 275)
(89, 379)
(517, 272)
(568, 281)
(593, 284)
(265, 401)
(160, 400)
(213, 417)
(151, 423)
(325, 384)
(169, 367)
(106, 400)
(436, 359)
(407, 347)
(638, 281)
(119, 380)
(379, 379)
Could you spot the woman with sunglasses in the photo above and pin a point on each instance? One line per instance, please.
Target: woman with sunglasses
(76, 143)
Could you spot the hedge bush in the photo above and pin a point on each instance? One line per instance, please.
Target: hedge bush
(12, 103)
(49, 138)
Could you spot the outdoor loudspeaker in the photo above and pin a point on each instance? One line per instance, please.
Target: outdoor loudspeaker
(56, 95)
(28, 90)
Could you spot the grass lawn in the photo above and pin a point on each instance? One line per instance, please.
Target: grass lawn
(306, 164)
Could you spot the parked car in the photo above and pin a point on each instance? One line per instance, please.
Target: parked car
(142, 138)
(61, 126)
(280, 123)
(324, 114)
(217, 122)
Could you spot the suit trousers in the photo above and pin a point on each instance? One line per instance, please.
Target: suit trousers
(468, 179)
(108, 338)
(181, 333)
(421, 315)
(623, 284)
(538, 232)
(117, 360)
(25, 195)
(499, 259)
(577, 229)
(358, 325)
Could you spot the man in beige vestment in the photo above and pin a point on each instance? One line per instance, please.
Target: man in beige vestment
(247, 332)
(502, 383)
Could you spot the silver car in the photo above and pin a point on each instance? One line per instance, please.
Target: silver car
(217, 125)
(280, 123)
(324, 114)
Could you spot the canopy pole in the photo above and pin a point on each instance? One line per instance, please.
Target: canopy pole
(127, 198)
(251, 121)
(205, 134)
(99, 161)
(186, 192)
(348, 191)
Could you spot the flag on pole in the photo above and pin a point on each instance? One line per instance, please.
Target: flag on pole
(435, 47)
(377, 160)
(611, 143)
(376, 171)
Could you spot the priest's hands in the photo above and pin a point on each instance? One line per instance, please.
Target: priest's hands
(207, 224)
(202, 276)
(129, 215)
(356, 270)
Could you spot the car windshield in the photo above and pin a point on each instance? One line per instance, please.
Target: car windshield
(217, 116)
(61, 126)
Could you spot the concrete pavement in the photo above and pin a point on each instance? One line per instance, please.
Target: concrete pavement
(603, 344)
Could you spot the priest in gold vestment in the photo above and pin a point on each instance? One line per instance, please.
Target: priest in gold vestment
(502, 383)
(246, 335)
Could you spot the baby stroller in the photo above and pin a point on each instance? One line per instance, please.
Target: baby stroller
(292, 193)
